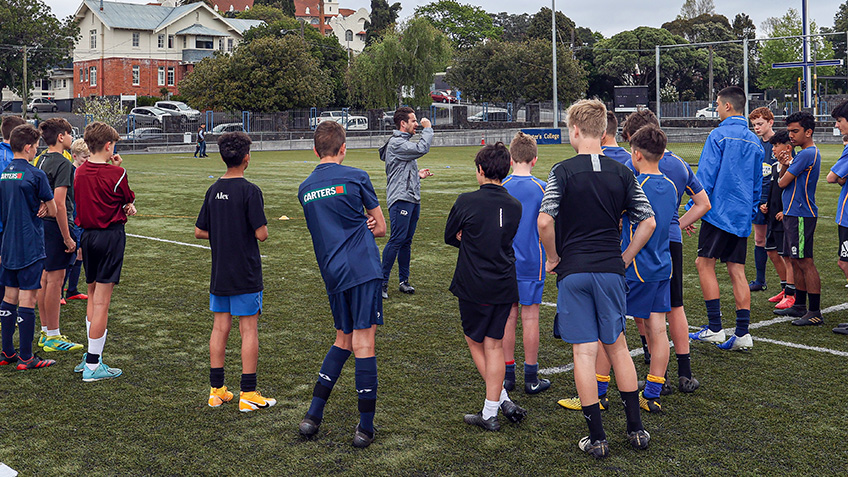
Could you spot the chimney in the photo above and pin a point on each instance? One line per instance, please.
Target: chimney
(169, 3)
(101, 5)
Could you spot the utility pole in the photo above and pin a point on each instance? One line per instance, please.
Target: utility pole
(25, 89)
(554, 50)
(711, 75)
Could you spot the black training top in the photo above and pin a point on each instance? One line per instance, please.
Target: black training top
(485, 268)
(587, 195)
(60, 173)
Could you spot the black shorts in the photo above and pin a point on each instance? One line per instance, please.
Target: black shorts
(483, 321)
(774, 239)
(103, 253)
(54, 248)
(719, 244)
(798, 236)
(843, 243)
(676, 249)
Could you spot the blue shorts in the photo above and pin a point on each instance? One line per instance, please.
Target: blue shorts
(760, 218)
(530, 292)
(248, 304)
(644, 298)
(590, 307)
(359, 307)
(28, 278)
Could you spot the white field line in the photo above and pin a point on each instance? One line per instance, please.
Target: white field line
(205, 247)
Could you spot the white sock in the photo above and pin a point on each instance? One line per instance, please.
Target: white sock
(490, 408)
(53, 332)
(87, 326)
(504, 397)
(95, 345)
(44, 329)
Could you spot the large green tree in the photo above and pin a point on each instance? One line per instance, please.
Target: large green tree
(287, 6)
(265, 13)
(383, 16)
(540, 26)
(48, 40)
(399, 69)
(465, 25)
(265, 75)
(514, 26)
(694, 8)
(780, 51)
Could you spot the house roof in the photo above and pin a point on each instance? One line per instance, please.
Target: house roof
(132, 16)
(198, 29)
(300, 7)
(238, 5)
(346, 12)
(243, 25)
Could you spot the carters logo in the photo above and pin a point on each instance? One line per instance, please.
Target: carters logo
(12, 176)
(324, 192)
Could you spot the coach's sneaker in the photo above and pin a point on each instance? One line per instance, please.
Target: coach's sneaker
(795, 310)
(490, 424)
(812, 318)
(60, 343)
(42, 338)
(537, 387)
(649, 404)
(738, 343)
(385, 291)
(100, 373)
(639, 439)
(788, 301)
(308, 426)
(362, 438)
(757, 286)
(405, 287)
(597, 449)
(218, 396)
(777, 298)
(708, 335)
(687, 385)
(34, 363)
(6, 359)
(574, 403)
(512, 411)
(253, 400)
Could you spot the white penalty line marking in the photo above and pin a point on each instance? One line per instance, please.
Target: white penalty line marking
(157, 239)
(759, 324)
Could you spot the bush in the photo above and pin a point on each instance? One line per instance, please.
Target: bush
(147, 100)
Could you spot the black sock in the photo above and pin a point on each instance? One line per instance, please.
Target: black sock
(790, 289)
(631, 410)
(216, 377)
(248, 382)
(783, 284)
(684, 365)
(800, 298)
(815, 301)
(592, 414)
(91, 358)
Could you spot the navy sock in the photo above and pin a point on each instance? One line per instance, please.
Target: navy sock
(216, 377)
(248, 382)
(26, 331)
(743, 317)
(531, 373)
(72, 278)
(790, 289)
(509, 374)
(631, 410)
(366, 387)
(800, 298)
(714, 314)
(592, 414)
(91, 358)
(815, 301)
(684, 365)
(760, 259)
(8, 316)
(331, 368)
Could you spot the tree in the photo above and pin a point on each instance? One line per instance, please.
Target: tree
(514, 26)
(110, 111)
(702, 28)
(540, 26)
(49, 41)
(694, 8)
(382, 17)
(780, 51)
(404, 61)
(287, 6)
(465, 25)
(263, 12)
(265, 75)
(840, 24)
(743, 27)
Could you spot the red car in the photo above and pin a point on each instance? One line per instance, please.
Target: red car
(442, 97)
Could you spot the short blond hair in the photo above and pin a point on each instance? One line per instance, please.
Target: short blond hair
(80, 147)
(523, 147)
(590, 115)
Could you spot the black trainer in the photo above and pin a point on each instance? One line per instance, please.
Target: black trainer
(490, 424)
(687, 385)
(639, 439)
(795, 310)
(405, 287)
(509, 384)
(537, 387)
(385, 291)
(361, 439)
(597, 449)
(308, 427)
(811, 318)
(512, 411)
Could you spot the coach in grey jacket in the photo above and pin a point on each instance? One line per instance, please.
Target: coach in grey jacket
(403, 193)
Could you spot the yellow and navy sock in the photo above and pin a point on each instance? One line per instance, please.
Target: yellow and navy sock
(653, 386)
(248, 382)
(743, 318)
(331, 368)
(531, 373)
(366, 387)
(714, 314)
(684, 366)
(8, 316)
(509, 373)
(592, 414)
(631, 410)
(216, 377)
(603, 384)
(26, 330)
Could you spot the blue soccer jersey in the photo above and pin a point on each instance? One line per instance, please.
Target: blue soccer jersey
(680, 173)
(618, 153)
(841, 170)
(653, 262)
(334, 198)
(23, 188)
(529, 254)
(799, 197)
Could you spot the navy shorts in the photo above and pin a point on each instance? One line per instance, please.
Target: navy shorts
(28, 278)
(530, 292)
(359, 307)
(716, 243)
(644, 298)
(481, 321)
(590, 307)
(798, 236)
(54, 247)
(759, 218)
(246, 304)
(103, 253)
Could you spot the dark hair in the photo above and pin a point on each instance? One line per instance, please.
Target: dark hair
(329, 138)
(636, 120)
(51, 128)
(612, 124)
(780, 137)
(23, 135)
(650, 141)
(9, 123)
(402, 114)
(735, 96)
(493, 160)
(234, 147)
(97, 134)
(840, 111)
(805, 119)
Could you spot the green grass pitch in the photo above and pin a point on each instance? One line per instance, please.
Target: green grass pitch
(775, 410)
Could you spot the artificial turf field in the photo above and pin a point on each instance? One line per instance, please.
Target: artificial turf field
(776, 410)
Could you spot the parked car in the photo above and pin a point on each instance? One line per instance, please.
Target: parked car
(326, 116)
(42, 105)
(442, 97)
(149, 115)
(493, 115)
(389, 119)
(227, 127)
(185, 112)
(144, 135)
(709, 112)
(354, 123)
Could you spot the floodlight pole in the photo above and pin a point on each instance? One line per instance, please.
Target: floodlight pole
(745, 73)
(554, 43)
(805, 23)
(657, 81)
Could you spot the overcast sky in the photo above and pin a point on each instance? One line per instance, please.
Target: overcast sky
(606, 16)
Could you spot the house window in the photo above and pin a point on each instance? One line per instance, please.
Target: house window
(93, 76)
(204, 43)
(349, 35)
(82, 76)
(92, 39)
(86, 76)
(64, 83)
(136, 72)
(170, 76)
(314, 21)
(230, 45)
(161, 76)
(161, 41)
(184, 42)
(136, 39)
(221, 44)
(170, 41)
